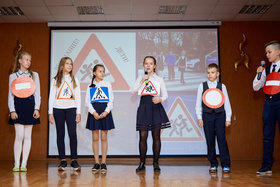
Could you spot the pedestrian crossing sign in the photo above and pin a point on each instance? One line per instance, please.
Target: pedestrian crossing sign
(98, 94)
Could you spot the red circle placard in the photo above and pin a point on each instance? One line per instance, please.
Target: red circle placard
(23, 87)
(213, 98)
(271, 85)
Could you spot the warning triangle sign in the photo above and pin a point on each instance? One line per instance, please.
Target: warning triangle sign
(65, 92)
(99, 94)
(183, 127)
(150, 89)
(85, 71)
(93, 43)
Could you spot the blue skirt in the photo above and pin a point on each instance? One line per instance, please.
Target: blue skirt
(151, 116)
(25, 109)
(106, 123)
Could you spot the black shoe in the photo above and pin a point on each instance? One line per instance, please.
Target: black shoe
(156, 166)
(141, 167)
(62, 166)
(226, 169)
(264, 170)
(103, 168)
(75, 165)
(213, 169)
(95, 167)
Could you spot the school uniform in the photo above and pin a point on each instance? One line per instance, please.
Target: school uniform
(65, 104)
(182, 63)
(271, 113)
(100, 99)
(151, 116)
(214, 123)
(24, 107)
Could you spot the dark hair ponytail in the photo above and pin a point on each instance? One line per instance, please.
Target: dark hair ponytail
(92, 85)
(93, 76)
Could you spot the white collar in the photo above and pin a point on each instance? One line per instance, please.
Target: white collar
(277, 63)
(154, 75)
(210, 82)
(66, 76)
(95, 82)
(21, 72)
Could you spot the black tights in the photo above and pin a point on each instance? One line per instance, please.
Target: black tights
(143, 144)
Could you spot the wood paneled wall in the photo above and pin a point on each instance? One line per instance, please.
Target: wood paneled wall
(35, 40)
(245, 134)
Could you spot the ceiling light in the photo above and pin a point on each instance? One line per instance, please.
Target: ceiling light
(90, 10)
(254, 9)
(172, 9)
(11, 11)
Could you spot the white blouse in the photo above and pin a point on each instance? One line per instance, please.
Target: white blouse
(152, 78)
(54, 102)
(258, 84)
(111, 96)
(37, 96)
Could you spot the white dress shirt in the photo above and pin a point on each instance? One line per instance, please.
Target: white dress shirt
(37, 96)
(198, 107)
(258, 84)
(111, 96)
(65, 103)
(152, 78)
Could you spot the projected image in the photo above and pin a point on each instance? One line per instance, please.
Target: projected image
(182, 55)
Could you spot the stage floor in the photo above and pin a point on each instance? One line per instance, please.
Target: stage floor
(121, 174)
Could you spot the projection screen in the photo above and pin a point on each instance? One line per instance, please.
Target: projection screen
(122, 51)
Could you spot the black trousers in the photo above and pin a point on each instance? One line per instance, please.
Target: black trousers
(271, 114)
(214, 126)
(69, 116)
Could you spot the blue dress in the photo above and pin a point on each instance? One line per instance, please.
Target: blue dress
(106, 123)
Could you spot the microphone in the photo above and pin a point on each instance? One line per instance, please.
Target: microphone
(260, 73)
(146, 80)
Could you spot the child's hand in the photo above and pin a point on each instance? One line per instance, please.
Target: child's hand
(96, 115)
(51, 119)
(144, 78)
(78, 118)
(260, 69)
(156, 100)
(36, 114)
(104, 114)
(200, 123)
(14, 115)
(228, 123)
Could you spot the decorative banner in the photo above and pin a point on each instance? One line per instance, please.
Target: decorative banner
(98, 94)
(243, 56)
(18, 48)
(65, 92)
(153, 88)
(213, 98)
(23, 87)
(272, 84)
